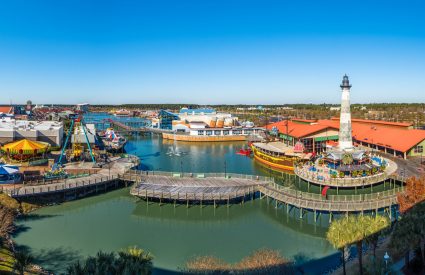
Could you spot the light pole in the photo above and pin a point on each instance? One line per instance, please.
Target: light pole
(225, 169)
(181, 168)
(386, 259)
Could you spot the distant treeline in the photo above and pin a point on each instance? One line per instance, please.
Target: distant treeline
(373, 106)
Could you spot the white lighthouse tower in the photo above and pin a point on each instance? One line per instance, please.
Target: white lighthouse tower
(345, 136)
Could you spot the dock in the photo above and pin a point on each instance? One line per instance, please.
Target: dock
(195, 188)
(105, 178)
(220, 188)
(211, 188)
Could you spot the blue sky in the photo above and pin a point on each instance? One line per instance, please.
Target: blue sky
(211, 52)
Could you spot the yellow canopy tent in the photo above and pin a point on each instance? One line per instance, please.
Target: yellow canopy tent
(25, 147)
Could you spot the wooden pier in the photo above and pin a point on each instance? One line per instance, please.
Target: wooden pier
(195, 188)
(211, 188)
(109, 176)
(218, 188)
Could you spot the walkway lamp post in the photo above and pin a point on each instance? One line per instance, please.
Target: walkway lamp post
(181, 168)
(225, 169)
(386, 259)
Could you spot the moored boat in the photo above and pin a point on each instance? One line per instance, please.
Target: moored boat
(278, 155)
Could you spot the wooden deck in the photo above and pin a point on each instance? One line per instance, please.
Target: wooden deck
(192, 188)
(104, 177)
(341, 203)
(215, 187)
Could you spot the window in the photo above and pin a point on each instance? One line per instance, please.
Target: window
(248, 132)
(217, 132)
(419, 149)
(200, 132)
(237, 132)
(209, 133)
(225, 132)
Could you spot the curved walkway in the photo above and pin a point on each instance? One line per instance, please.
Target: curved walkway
(194, 187)
(324, 179)
(118, 167)
(336, 203)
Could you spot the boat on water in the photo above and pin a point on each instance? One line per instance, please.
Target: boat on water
(278, 155)
(244, 151)
(112, 140)
(122, 113)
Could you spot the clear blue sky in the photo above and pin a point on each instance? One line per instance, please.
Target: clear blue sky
(211, 52)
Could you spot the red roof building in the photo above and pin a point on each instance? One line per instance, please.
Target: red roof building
(6, 110)
(391, 137)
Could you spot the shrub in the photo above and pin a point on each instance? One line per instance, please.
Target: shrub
(262, 261)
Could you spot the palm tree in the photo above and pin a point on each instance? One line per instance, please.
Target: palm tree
(338, 236)
(409, 232)
(134, 260)
(131, 261)
(22, 261)
(375, 230)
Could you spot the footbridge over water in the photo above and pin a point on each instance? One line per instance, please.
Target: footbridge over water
(210, 188)
(130, 127)
(220, 188)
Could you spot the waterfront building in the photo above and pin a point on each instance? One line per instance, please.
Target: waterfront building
(398, 139)
(209, 125)
(45, 131)
(8, 111)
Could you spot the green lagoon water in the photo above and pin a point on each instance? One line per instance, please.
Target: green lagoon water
(58, 235)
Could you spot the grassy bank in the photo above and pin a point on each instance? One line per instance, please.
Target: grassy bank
(6, 261)
(20, 207)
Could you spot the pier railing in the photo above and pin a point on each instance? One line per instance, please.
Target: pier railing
(201, 175)
(337, 198)
(59, 186)
(332, 203)
(341, 182)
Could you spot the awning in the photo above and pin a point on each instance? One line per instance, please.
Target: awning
(25, 146)
(8, 170)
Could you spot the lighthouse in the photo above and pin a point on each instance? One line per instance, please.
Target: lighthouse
(345, 138)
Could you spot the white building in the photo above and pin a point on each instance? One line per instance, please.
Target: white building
(45, 131)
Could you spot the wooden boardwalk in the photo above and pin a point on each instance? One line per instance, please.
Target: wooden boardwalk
(194, 188)
(336, 203)
(216, 188)
(105, 177)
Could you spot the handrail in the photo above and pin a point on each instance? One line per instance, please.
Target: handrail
(342, 182)
(336, 198)
(206, 175)
(312, 202)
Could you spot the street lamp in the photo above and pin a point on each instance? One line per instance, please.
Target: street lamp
(181, 168)
(386, 259)
(225, 169)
